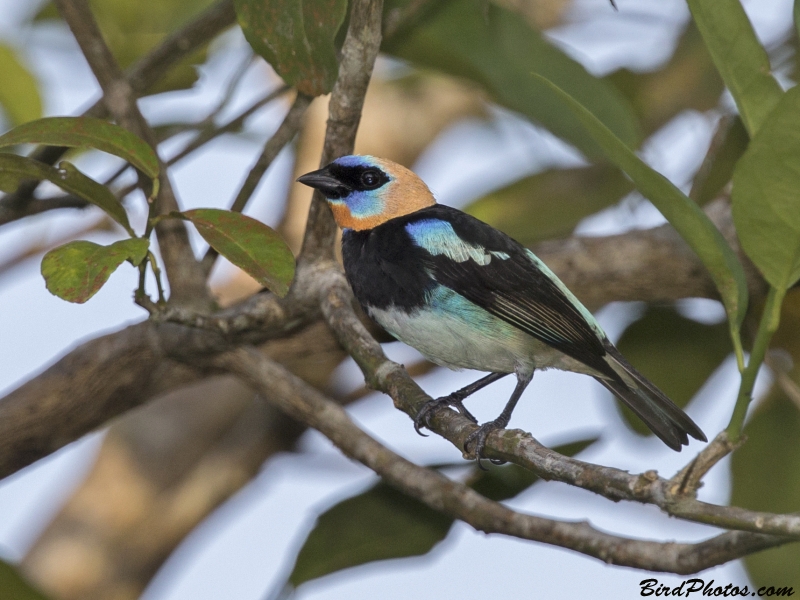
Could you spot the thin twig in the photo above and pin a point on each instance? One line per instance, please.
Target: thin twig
(233, 125)
(688, 480)
(11, 211)
(208, 135)
(359, 51)
(141, 75)
(283, 135)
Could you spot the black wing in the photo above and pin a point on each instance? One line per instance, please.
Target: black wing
(513, 287)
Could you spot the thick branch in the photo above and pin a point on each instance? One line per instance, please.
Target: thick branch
(359, 51)
(651, 265)
(97, 381)
(308, 405)
(107, 376)
(162, 469)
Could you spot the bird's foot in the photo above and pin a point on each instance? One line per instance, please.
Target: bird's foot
(431, 406)
(479, 437)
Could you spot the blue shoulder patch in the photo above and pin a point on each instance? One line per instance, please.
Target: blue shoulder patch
(439, 237)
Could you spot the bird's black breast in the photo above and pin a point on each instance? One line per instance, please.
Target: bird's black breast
(385, 268)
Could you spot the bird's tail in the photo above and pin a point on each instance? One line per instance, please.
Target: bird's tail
(659, 413)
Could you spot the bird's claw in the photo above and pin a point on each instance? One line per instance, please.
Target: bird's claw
(479, 437)
(431, 406)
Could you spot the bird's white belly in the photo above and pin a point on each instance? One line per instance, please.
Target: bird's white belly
(471, 338)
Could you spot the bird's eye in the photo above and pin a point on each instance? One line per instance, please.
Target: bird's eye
(370, 179)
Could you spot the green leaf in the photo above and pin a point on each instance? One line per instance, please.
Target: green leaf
(674, 352)
(248, 244)
(76, 271)
(14, 587)
(764, 477)
(739, 57)
(379, 524)
(383, 523)
(796, 14)
(132, 29)
(19, 92)
(550, 204)
(297, 38)
(16, 169)
(766, 205)
(86, 132)
(683, 214)
(732, 148)
(499, 50)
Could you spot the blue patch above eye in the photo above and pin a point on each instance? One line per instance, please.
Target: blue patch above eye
(355, 160)
(439, 237)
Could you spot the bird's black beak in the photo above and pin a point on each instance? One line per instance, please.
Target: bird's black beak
(326, 183)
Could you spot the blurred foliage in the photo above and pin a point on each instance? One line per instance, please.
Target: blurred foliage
(765, 470)
(379, 524)
(14, 587)
(676, 353)
(687, 81)
(497, 49)
(691, 223)
(550, 204)
(765, 477)
(739, 57)
(131, 29)
(710, 183)
(19, 93)
(383, 523)
(297, 38)
(765, 200)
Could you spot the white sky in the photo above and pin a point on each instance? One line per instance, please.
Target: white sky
(240, 551)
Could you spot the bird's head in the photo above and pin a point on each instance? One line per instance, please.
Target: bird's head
(364, 191)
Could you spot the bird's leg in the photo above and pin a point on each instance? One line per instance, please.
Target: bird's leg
(456, 399)
(479, 435)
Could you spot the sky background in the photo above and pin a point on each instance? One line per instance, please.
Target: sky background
(241, 551)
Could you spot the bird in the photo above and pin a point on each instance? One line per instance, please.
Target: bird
(467, 296)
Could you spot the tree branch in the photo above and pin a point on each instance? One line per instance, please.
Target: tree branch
(12, 211)
(109, 375)
(306, 404)
(521, 448)
(359, 51)
(163, 468)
